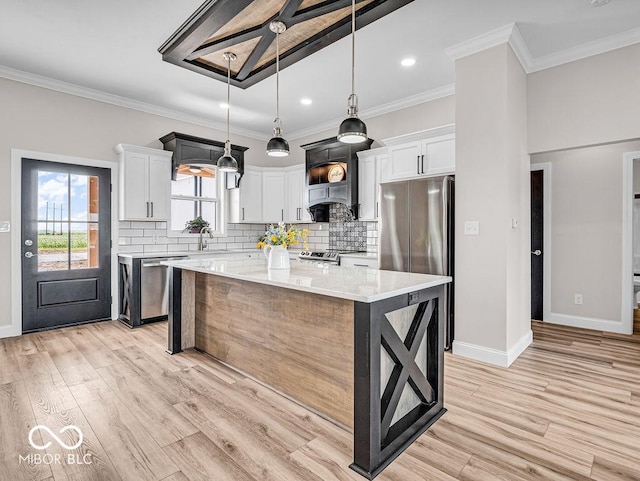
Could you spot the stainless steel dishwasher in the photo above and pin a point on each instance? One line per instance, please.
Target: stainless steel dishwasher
(154, 288)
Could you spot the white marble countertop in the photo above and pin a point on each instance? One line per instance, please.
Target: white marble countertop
(354, 283)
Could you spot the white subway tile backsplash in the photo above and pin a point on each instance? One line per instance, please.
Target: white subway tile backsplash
(142, 224)
(131, 233)
(155, 248)
(128, 248)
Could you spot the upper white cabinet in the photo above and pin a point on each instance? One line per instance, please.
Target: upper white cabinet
(371, 163)
(251, 196)
(426, 153)
(145, 182)
(270, 195)
(294, 210)
(273, 196)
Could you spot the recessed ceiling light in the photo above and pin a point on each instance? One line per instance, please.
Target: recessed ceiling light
(599, 3)
(306, 101)
(224, 105)
(408, 62)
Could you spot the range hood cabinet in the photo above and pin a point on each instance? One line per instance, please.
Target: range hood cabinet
(332, 176)
(190, 150)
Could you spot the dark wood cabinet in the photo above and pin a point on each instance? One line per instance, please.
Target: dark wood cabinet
(332, 176)
(188, 149)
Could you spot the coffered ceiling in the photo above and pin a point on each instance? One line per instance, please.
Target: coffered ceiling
(109, 51)
(243, 28)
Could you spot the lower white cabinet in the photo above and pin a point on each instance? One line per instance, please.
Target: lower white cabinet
(347, 260)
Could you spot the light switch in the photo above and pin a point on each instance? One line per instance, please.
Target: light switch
(5, 226)
(472, 227)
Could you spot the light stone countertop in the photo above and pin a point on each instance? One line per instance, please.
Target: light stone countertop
(354, 283)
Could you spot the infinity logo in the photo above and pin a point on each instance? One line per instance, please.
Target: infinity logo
(53, 435)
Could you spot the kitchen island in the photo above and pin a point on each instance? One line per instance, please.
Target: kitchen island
(359, 346)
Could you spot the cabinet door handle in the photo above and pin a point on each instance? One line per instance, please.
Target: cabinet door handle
(151, 209)
(147, 209)
(422, 170)
(377, 207)
(243, 213)
(418, 164)
(282, 214)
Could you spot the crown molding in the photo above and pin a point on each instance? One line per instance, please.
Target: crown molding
(428, 96)
(511, 34)
(603, 45)
(88, 93)
(481, 42)
(520, 49)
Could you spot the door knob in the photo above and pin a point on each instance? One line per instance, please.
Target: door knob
(29, 255)
(28, 242)
(537, 252)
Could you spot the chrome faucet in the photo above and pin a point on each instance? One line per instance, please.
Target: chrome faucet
(202, 243)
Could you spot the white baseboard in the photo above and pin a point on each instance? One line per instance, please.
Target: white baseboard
(8, 331)
(493, 356)
(588, 323)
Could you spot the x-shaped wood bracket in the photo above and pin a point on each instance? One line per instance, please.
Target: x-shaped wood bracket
(405, 370)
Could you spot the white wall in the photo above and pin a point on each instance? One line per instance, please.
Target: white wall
(413, 119)
(586, 233)
(492, 187)
(587, 102)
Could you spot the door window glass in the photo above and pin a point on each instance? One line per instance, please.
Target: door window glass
(67, 221)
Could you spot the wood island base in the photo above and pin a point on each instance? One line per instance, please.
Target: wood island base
(374, 367)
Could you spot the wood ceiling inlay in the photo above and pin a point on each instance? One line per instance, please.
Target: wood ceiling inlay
(242, 27)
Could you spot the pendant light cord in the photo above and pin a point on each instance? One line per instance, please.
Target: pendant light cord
(353, 47)
(228, 94)
(278, 77)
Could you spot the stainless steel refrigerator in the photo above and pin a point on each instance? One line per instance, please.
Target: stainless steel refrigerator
(416, 232)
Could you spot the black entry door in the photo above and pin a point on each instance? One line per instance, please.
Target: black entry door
(66, 244)
(537, 239)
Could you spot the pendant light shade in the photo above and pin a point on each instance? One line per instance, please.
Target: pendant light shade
(227, 163)
(352, 129)
(277, 145)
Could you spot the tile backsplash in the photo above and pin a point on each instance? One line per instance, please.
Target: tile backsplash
(146, 237)
(347, 234)
(342, 233)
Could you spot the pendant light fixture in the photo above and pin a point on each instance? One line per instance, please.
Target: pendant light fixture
(277, 145)
(227, 163)
(352, 129)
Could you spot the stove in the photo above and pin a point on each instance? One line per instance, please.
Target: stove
(326, 257)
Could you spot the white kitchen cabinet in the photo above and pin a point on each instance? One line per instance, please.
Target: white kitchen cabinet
(251, 196)
(145, 183)
(273, 196)
(359, 260)
(294, 194)
(426, 153)
(370, 165)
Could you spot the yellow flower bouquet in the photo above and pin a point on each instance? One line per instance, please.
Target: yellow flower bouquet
(280, 235)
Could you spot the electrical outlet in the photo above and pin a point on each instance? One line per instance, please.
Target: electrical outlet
(577, 299)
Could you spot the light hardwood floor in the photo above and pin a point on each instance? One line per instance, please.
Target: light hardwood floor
(567, 409)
